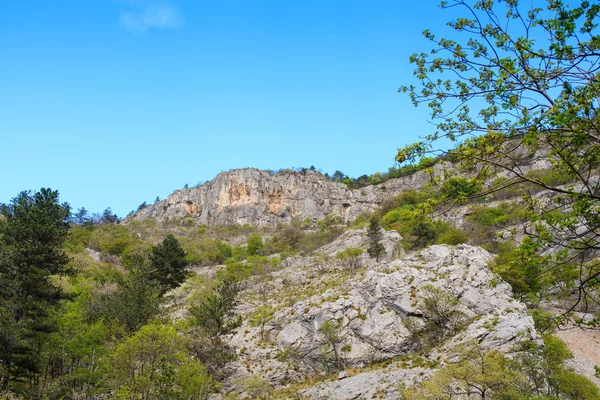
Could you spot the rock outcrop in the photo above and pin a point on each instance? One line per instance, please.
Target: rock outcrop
(369, 308)
(374, 312)
(261, 198)
(265, 198)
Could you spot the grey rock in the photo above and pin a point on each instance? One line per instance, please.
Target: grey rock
(367, 385)
(372, 314)
(261, 198)
(371, 309)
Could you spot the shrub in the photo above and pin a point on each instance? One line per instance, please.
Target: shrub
(111, 239)
(330, 220)
(261, 317)
(458, 187)
(256, 387)
(477, 374)
(484, 223)
(534, 374)
(422, 232)
(332, 359)
(452, 236)
(153, 363)
(441, 314)
(521, 267)
(239, 253)
(255, 245)
(208, 252)
(406, 198)
(350, 257)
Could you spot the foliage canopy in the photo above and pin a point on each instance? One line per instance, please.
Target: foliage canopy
(519, 81)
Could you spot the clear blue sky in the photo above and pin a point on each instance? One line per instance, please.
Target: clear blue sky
(116, 102)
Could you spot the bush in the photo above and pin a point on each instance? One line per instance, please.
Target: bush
(112, 239)
(256, 387)
(535, 374)
(478, 373)
(330, 220)
(417, 230)
(208, 252)
(424, 232)
(290, 239)
(255, 245)
(484, 223)
(441, 314)
(153, 363)
(350, 257)
(460, 188)
(236, 272)
(79, 238)
(521, 267)
(452, 236)
(406, 198)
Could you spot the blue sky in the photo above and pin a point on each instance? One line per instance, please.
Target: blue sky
(116, 102)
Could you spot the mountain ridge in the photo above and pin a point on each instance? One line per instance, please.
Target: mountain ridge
(261, 198)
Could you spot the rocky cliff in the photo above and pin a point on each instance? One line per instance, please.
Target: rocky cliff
(256, 197)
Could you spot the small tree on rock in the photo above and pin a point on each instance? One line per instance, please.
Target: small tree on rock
(376, 249)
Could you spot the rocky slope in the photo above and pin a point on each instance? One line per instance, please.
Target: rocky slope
(370, 304)
(260, 198)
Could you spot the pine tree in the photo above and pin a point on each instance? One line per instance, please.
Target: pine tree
(376, 249)
(168, 259)
(33, 228)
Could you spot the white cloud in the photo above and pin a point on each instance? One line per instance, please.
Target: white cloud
(159, 16)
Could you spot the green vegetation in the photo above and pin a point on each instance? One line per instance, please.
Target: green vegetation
(255, 245)
(516, 81)
(260, 317)
(350, 257)
(168, 261)
(214, 310)
(330, 351)
(536, 373)
(84, 312)
(155, 363)
(293, 239)
(442, 318)
(86, 301)
(376, 249)
(484, 223)
(33, 228)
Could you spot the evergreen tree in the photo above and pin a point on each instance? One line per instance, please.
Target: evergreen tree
(81, 217)
(108, 217)
(214, 311)
(33, 227)
(376, 249)
(168, 260)
(137, 299)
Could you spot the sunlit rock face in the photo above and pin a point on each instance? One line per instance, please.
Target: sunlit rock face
(256, 197)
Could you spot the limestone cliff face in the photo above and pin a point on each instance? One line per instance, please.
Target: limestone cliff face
(252, 196)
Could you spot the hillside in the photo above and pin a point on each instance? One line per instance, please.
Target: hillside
(304, 309)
